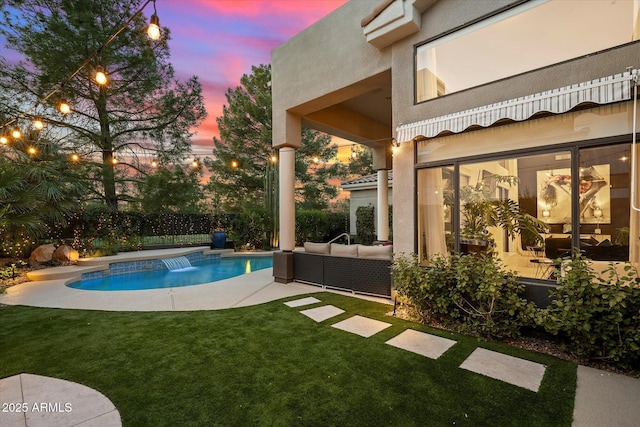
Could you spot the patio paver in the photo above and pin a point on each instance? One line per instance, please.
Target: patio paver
(54, 402)
(302, 301)
(513, 370)
(320, 314)
(362, 326)
(422, 343)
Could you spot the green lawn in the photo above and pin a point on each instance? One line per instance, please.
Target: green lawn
(270, 365)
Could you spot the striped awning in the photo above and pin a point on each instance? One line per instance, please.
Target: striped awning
(604, 90)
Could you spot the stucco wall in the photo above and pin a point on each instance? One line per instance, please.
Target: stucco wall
(363, 198)
(319, 66)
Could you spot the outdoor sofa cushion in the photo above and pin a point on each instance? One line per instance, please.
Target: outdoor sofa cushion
(379, 252)
(344, 250)
(316, 248)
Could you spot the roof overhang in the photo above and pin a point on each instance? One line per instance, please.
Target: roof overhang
(605, 90)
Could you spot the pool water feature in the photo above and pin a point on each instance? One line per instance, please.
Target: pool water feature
(198, 273)
(178, 263)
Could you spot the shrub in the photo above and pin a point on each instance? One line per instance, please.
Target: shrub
(249, 229)
(311, 226)
(599, 315)
(472, 293)
(365, 228)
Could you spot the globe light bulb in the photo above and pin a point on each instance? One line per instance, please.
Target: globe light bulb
(16, 133)
(101, 77)
(64, 107)
(153, 31)
(38, 124)
(3, 139)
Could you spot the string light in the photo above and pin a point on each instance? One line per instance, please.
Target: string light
(114, 161)
(154, 33)
(154, 25)
(32, 150)
(3, 140)
(154, 163)
(101, 77)
(195, 163)
(16, 133)
(38, 124)
(75, 157)
(316, 159)
(63, 106)
(234, 164)
(274, 158)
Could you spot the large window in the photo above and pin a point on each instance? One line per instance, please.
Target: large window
(571, 204)
(531, 36)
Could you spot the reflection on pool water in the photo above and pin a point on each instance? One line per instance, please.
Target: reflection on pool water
(200, 272)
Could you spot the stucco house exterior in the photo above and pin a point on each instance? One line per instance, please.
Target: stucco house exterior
(363, 191)
(529, 101)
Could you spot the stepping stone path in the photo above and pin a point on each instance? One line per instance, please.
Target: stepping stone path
(362, 326)
(513, 370)
(421, 343)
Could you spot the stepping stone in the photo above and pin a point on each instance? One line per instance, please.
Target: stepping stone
(421, 343)
(301, 302)
(322, 313)
(513, 370)
(362, 326)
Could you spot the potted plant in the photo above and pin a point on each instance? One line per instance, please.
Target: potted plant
(479, 212)
(218, 236)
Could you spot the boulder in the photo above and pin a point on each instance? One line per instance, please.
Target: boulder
(43, 253)
(66, 253)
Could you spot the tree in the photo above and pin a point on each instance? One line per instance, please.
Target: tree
(142, 109)
(38, 190)
(244, 166)
(171, 189)
(361, 163)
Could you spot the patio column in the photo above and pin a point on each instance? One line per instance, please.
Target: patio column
(382, 162)
(287, 200)
(383, 206)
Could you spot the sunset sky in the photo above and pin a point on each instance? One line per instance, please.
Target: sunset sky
(219, 41)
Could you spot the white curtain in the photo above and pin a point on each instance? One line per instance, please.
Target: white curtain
(431, 212)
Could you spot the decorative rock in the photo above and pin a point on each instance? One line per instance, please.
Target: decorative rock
(43, 253)
(66, 253)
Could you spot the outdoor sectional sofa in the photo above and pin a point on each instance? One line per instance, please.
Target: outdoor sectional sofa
(357, 268)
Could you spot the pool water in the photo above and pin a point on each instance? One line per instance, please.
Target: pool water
(198, 273)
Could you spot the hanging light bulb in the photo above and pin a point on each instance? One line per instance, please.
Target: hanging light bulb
(38, 124)
(101, 76)
(153, 31)
(16, 133)
(316, 159)
(32, 150)
(195, 163)
(234, 164)
(274, 158)
(114, 161)
(4, 140)
(63, 106)
(154, 163)
(354, 154)
(75, 157)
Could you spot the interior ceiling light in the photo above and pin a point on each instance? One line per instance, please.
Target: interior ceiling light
(63, 106)
(101, 77)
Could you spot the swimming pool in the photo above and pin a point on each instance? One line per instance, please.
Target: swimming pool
(198, 273)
